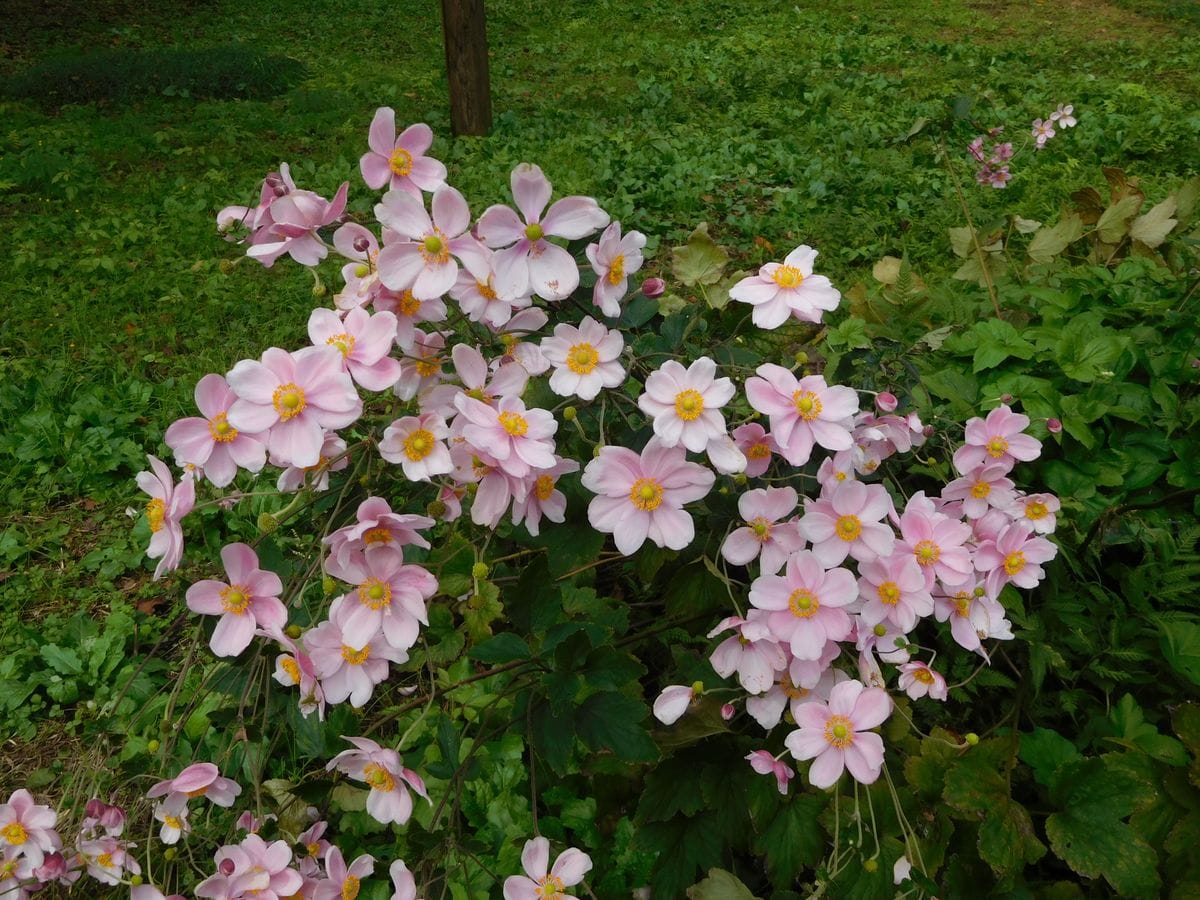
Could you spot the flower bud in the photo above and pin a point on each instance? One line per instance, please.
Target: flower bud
(169, 854)
(727, 711)
(1006, 398)
(654, 287)
(225, 266)
(361, 244)
(318, 288)
(135, 880)
(569, 414)
(886, 402)
(152, 745)
(53, 866)
(328, 586)
(436, 509)
(479, 570)
(1054, 426)
(1195, 364)
(740, 478)
(294, 632)
(113, 818)
(972, 738)
(697, 688)
(95, 808)
(279, 190)
(267, 523)
(871, 865)
(928, 431)
(801, 358)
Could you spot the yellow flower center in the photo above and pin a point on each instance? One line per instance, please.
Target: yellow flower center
(550, 886)
(400, 162)
(156, 512)
(839, 476)
(980, 490)
(839, 731)
(377, 535)
(1036, 510)
(104, 861)
(962, 604)
(761, 528)
(582, 359)
(1014, 563)
(927, 552)
(356, 657)
(407, 303)
(534, 232)
(807, 404)
(288, 400)
(788, 277)
(418, 445)
(513, 423)
(222, 432)
(428, 367)
(292, 668)
(14, 833)
(486, 289)
(646, 494)
(996, 447)
(173, 822)
(848, 528)
(375, 594)
(543, 487)
(790, 690)
(314, 849)
(616, 271)
(434, 249)
(198, 792)
(235, 599)
(344, 342)
(758, 451)
(688, 405)
(350, 888)
(379, 778)
(923, 675)
(803, 604)
(889, 593)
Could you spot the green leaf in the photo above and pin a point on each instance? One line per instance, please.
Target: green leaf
(611, 721)
(503, 648)
(684, 846)
(720, 885)
(700, 261)
(62, 660)
(1090, 835)
(998, 340)
(1180, 642)
(1153, 227)
(1046, 752)
(483, 609)
(552, 736)
(792, 840)
(1134, 732)
(1049, 242)
(851, 334)
(1114, 222)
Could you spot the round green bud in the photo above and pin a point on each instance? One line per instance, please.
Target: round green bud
(871, 865)
(697, 688)
(319, 289)
(152, 746)
(328, 586)
(476, 601)
(226, 266)
(740, 478)
(972, 738)
(267, 523)
(169, 854)
(294, 632)
(135, 880)
(569, 414)
(723, 489)
(801, 358)
(480, 570)
(436, 509)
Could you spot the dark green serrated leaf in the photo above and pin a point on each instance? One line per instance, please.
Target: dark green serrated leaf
(502, 648)
(612, 721)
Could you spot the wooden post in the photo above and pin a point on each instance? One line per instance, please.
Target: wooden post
(464, 25)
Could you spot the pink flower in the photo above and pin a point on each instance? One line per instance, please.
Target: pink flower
(400, 162)
(642, 496)
(332, 458)
(403, 882)
(918, 680)
(421, 368)
(936, 542)
(613, 260)
(477, 380)
(425, 263)
(802, 412)
(756, 445)
(348, 669)
(654, 287)
(295, 218)
(790, 289)
(998, 178)
(1038, 510)
(836, 469)
(257, 219)
(381, 770)
(28, 828)
(973, 616)
(295, 395)
(894, 589)
(295, 668)
(211, 443)
(169, 503)
(375, 525)
(764, 763)
(496, 487)
(357, 244)
(475, 291)
(17, 872)
(673, 702)
(847, 521)
(315, 847)
(108, 859)
(252, 868)
(173, 815)
(800, 682)
(805, 604)
(537, 883)
(343, 881)
(752, 652)
(526, 353)
(982, 489)
(835, 734)
(363, 339)
(686, 403)
(417, 443)
(1014, 556)
(886, 402)
(1042, 131)
(1064, 115)
(975, 148)
(198, 780)
(250, 600)
(530, 261)
(389, 598)
(518, 439)
(585, 359)
(542, 499)
(762, 509)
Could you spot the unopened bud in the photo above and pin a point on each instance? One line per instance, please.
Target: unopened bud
(972, 738)
(279, 190)
(1195, 363)
(801, 358)
(886, 402)
(169, 854)
(740, 478)
(152, 746)
(113, 818)
(318, 289)
(697, 688)
(1006, 398)
(273, 180)
(95, 808)
(928, 431)
(880, 630)
(871, 865)
(267, 523)
(225, 266)
(294, 631)
(328, 585)
(654, 287)
(569, 414)
(1054, 426)
(436, 509)
(480, 570)
(361, 244)
(135, 880)
(727, 711)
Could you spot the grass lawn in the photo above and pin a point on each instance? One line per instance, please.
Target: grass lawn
(784, 122)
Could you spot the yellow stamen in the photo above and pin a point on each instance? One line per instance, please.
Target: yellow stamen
(543, 487)
(288, 400)
(235, 599)
(582, 359)
(419, 445)
(379, 778)
(689, 405)
(807, 404)
(407, 303)
(788, 277)
(646, 494)
(980, 490)
(996, 447)
(1036, 510)
(550, 887)
(848, 528)
(839, 731)
(350, 888)
(761, 528)
(375, 594)
(292, 668)
(14, 833)
(488, 292)
(923, 675)
(616, 270)
(156, 512)
(222, 432)
(428, 367)
(400, 162)
(378, 535)
(803, 604)
(927, 552)
(513, 423)
(344, 343)
(1014, 563)
(173, 822)
(356, 657)
(758, 451)
(889, 593)
(790, 690)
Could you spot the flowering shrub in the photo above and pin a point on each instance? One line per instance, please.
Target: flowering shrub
(450, 467)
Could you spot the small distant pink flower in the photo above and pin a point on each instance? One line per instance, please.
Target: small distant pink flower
(343, 881)
(642, 496)
(585, 359)
(316, 847)
(756, 445)
(295, 219)
(918, 680)
(848, 521)
(253, 868)
(835, 735)
(542, 499)
(805, 604)
(539, 884)
(198, 780)
(248, 601)
(791, 289)
(475, 291)
(211, 443)
(613, 260)
(519, 439)
(673, 702)
(973, 616)
(418, 445)
(382, 771)
(764, 763)
(169, 503)
(936, 542)
(108, 859)
(751, 652)
(18, 871)
(975, 148)
(1014, 556)
(173, 813)
(295, 669)
(894, 590)
(421, 367)
(982, 489)
(686, 403)
(529, 261)
(526, 353)
(1039, 510)
(1064, 115)
(764, 534)
(348, 670)
(400, 163)
(27, 827)
(295, 396)
(998, 178)
(425, 262)
(1042, 131)
(374, 525)
(836, 469)
(802, 411)
(389, 597)
(363, 339)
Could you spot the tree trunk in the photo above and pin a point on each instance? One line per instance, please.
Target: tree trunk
(464, 25)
